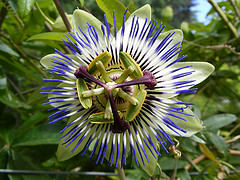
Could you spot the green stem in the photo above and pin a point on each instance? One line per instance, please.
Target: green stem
(160, 171)
(20, 22)
(224, 17)
(121, 172)
(3, 12)
(22, 54)
(44, 15)
(192, 162)
(16, 89)
(235, 7)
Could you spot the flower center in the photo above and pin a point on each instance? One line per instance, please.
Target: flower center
(118, 91)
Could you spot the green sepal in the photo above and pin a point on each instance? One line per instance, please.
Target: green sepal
(86, 102)
(98, 118)
(104, 57)
(128, 61)
(142, 13)
(149, 167)
(176, 38)
(66, 152)
(108, 6)
(201, 71)
(81, 19)
(192, 125)
(46, 61)
(55, 95)
(59, 25)
(148, 164)
(133, 110)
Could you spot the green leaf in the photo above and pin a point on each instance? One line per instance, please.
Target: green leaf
(24, 7)
(3, 162)
(108, 6)
(43, 134)
(48, 36)
(8, 98)
(5, 48)
(17, 68)
(218, 121)
(13, 5)
(3, 158)
(3, 83)
(207, 152)
(30, 123)
(81, 3)
(168, 163)
(184, 175)
(197, 139)
(24, 159)
(218, 142)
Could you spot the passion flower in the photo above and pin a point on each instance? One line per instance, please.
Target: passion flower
(119, 90)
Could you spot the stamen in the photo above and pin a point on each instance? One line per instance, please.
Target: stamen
(125, 74)
(127, 97)
(148, 79)
(103, 71)
(93, 92)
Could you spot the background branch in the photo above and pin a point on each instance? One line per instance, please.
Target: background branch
(235, 7)
(3, 12)
(216, 47)
(224, 17)
(63, 15)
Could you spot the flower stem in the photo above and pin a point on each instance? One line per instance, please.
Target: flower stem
(43, 15)
(63, 15)
(121, 172)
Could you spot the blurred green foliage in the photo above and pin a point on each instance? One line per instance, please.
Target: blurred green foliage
(27, 142)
